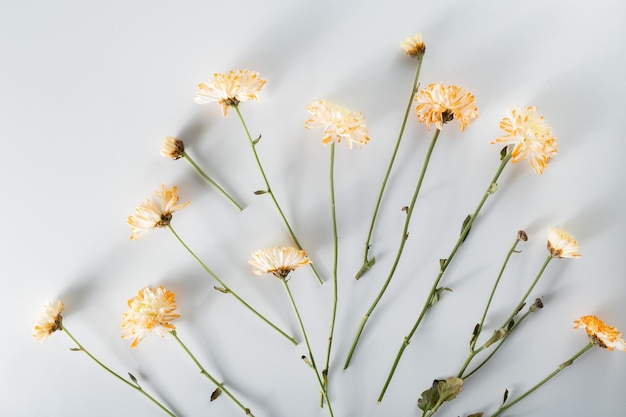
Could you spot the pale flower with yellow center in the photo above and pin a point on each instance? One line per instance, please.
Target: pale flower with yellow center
(601, 334)
(230, 89)
(414, 45)
(49, 320)
(150, 310)
(338, 123)
(172, 147)
(279, 261)
(439, 104)
(530, 136)
(155, 212)
(561, 244)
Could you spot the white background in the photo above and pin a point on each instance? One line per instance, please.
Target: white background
(89, 90)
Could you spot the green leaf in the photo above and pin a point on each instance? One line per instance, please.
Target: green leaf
(260, 192)
(221, 289)
(132, 378)
(465, 223)
(437, 295)
(429, 398)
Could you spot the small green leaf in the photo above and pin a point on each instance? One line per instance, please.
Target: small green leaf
(437, 295)
(132, 378)
(75, 349)
(215, 394)
(465, 223)
(475, 333)
(254, 142)
(442, 262)
(505, 396)
(429, 398)
(260, 192)
(221, 289)
(503, 152)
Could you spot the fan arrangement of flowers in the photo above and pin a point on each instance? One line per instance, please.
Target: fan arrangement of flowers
(526, 136)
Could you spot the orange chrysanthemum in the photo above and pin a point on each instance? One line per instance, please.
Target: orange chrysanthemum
(414, 45)
(230, 89)
(279, 261)
(49, 320)
(338, 123)
(155, 212)
(530, 136)
(173, 147)
(151, 309)
(562, 245)
(440, 104)
(601, 334)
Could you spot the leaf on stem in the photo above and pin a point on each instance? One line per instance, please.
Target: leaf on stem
(505, 396)
(75, 349)
(260, 192)
(215, 394)
(465, 222)
(254, 142)
(221, 289)
(132, 378)
(475, 333)
(437, 295)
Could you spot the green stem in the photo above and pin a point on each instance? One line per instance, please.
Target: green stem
(367, 263)
(211, 181)
(270, 192)
(562, 366)
(133, 385)
(444, 265)
(403, 240)
(209, 376)
(308, 346)
(226, 289)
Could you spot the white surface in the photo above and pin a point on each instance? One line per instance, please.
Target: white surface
(88, 91)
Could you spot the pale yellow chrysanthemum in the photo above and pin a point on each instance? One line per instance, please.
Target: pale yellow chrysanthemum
(530, 135)
(440, 104)
(561, 244)
(230, 89)
(279, 261)
(155, 212)
(49, 320)
(152, 309)
(414, 45)
(601, 334)
(173, 147)
(338, 123)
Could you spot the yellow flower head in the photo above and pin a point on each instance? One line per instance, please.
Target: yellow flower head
(530, 137)
(414, 45)
(49, 320)
(440, 104)
(172, 147)
(151, 309)
(155, 212)
(338, 123)
(278, 261)
(601, 334)
(230, 89)
(561, 244)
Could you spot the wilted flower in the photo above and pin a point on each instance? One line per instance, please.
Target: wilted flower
(279, 261)
(562, 245)
(440, 104)
(173, 147)
(338, 123)
(49, 320)
(414, 45)
(151, 309)
(531, 137)
(601, 334)
(156, 211)
(230, 89)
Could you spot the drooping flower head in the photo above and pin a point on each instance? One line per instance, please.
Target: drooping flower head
(561, 244)
(173, 147)
(601, 334)
(338, 123)
(530, 136)
(230, 89)
(151, 309)
(49, 320)
(440, 104)
(278, 261)
(414, 45)
(155, 212)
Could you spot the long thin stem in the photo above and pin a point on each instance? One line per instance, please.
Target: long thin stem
(209, 376)
(308, 346)
(368, 263)
(226, 289)
(562, 366)
(133, 385)
(211, 181)
(403, 240)
(443, 266)
(271, 192)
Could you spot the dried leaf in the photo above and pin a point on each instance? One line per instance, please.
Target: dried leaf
(132, 378)
(260, 192)
(254, 142)
(449, 389)
(215, 394)
(505, 396)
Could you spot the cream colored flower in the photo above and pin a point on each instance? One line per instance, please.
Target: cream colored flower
(338, 123)
(530, 136)
(152, 309)
(49, 320)
(155, 212)
(440, 104)
(414, 45)
(173, 147)
(562, 245)
(230, 89)
(278, 261)
(601, 334)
